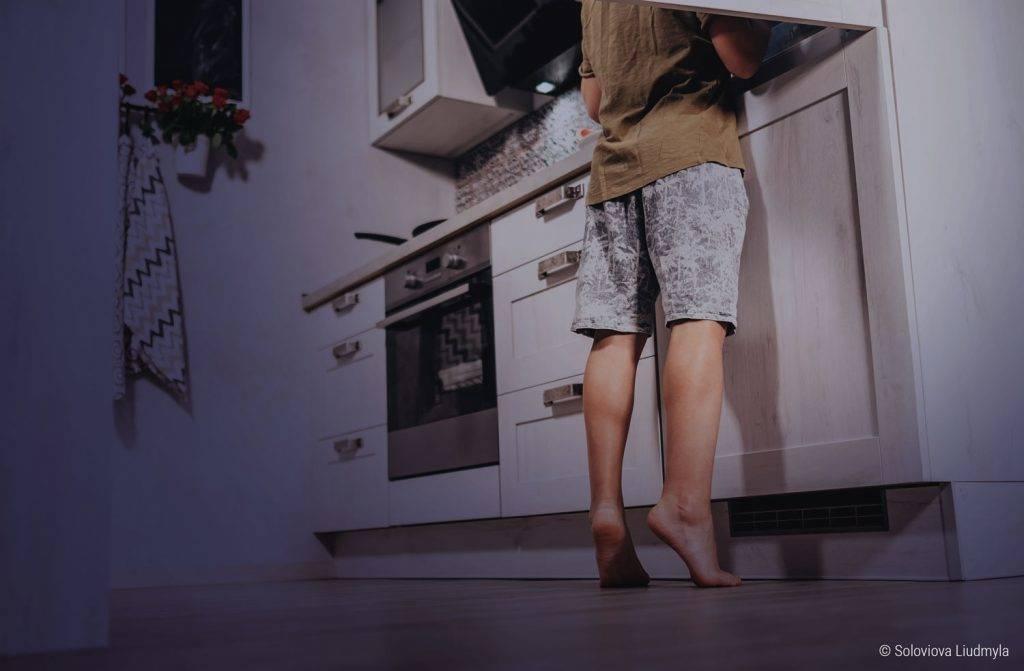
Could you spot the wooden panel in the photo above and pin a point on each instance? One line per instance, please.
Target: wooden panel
(350, 485)
(351, 393)
(330, 325)
(459, 495)
(799, 370)
(822, 358)
(544, 450)
(533, 343)
(521, 236)
(892, 312)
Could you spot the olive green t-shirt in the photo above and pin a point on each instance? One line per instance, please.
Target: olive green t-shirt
(665, 101)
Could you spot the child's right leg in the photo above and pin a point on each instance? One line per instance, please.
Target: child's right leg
(608, 389)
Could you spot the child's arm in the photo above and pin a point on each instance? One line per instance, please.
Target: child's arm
(740, 43)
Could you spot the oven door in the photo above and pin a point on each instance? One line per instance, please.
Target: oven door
(442, 403)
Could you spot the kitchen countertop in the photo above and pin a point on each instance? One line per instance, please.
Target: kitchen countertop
(501, 202)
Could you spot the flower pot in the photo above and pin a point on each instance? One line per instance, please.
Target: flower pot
(191, 159)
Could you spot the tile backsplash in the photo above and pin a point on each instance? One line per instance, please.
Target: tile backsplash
(536, 141)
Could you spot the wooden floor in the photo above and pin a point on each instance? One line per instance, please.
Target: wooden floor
(507, 624)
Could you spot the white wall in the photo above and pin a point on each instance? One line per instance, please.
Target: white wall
(218, 493)
(58, 170)
(960, 104)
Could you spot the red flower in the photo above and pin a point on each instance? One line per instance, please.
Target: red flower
(220, 97)
(176, 100)
(151, 96)
(177, 84)
(163, 106)
(162, 90)
(121, 79)
(202, 88)
(190, 91)
(241, 116)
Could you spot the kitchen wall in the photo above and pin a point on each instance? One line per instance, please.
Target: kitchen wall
(217, 491)
(961, 128)
(58, 176)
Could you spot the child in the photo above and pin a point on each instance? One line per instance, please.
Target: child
(666, 212)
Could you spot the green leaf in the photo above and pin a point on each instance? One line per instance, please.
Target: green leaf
(232, 151)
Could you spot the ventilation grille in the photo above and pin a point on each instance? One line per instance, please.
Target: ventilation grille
(810, 513)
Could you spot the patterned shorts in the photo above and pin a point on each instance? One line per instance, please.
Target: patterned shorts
(681, 235)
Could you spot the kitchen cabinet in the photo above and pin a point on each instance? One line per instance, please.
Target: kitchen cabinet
(349, 313)
(347, 443)
(426, 95)
(350, 475)
(544, 447)
(547, 223)
(820, 388)
(533, 309)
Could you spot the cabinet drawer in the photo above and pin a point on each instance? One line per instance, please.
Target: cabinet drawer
(522, 235)
(544, 449)
(350, 481)
(459, 495)
(349, 390)
(352, 312)
(532, 316)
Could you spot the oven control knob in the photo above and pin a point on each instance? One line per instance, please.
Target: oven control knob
(411, 281)
(453, 260)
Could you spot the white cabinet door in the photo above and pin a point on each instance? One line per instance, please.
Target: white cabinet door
(544, 449)
(841, 13)
(533, 309)
(350, 388)
(350, 313)
(553, 220)
(820, 389)
(426, 95)
(469, 494)
(350, 481)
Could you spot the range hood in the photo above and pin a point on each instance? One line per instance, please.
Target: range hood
(531, 45)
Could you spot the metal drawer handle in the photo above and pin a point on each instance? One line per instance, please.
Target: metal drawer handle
(566, 392)
(345, 302)
(398, 106)
(346, 349)
(558, 197)
(559, 261)
(347, 446)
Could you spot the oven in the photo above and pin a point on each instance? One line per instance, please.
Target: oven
(439, 323)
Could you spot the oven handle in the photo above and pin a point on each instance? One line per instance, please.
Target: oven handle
(425, 305)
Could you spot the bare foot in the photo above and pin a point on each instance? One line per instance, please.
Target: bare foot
(617, 563)
(689, 531)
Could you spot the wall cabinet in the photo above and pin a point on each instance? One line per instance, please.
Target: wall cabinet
(819, 377)
(425, 93)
